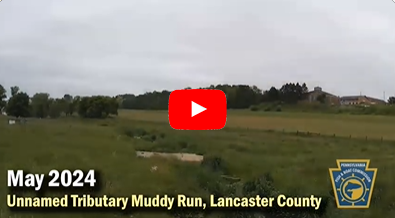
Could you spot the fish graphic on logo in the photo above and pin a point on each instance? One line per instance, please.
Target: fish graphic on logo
(353, 183)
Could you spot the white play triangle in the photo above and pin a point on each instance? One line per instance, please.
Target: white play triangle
(197, 109)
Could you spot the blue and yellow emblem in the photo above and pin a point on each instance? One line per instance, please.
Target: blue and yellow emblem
(353, 183)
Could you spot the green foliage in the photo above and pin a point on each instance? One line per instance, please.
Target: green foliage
(214, 164)
(254, 108)
(271, 95)
(14, 90)
(274, 152)
(279, 108)
(55, 108)
(370, 109)
(76, 102)
(40, 104)
(149, 138)
(97, 107)
(263, 186)
(134, 132)
(238, 96)
(18, 105)
(289, 93)
(69, 104)
(148, 101)
(290, 97)
(318, 107)
(3, 96)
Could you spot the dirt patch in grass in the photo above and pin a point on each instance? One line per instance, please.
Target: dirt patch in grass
(180, 156)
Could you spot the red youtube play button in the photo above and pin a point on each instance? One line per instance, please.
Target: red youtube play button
(197, 109)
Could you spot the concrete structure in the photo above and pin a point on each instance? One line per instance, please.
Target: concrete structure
(329, 98)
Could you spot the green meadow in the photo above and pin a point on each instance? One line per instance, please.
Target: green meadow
(291, 151)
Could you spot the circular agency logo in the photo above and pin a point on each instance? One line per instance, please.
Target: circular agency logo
(353, 189)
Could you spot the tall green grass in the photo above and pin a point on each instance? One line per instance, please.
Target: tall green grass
(296, 165)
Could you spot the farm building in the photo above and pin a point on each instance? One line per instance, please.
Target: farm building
(317, 92)
(360, 99)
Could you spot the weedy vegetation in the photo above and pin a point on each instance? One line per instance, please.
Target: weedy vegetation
(256, 153)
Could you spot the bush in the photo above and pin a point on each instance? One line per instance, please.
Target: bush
(267, 109)
(278, 109)
(263, 186)
(97, 107)
(135, 132)
(149, 138)
(140, 132)
(183, 144)
(128, 132)
(215, 164)
(254, 108)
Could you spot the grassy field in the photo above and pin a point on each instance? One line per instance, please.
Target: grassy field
(341, 125)
(252, 144)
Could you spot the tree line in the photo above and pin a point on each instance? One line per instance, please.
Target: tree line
(42, 105)
(238, 96)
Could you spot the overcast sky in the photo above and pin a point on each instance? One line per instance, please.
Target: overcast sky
(132, 46)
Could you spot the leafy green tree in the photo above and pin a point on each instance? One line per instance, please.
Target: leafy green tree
(76, 101)
(127, 101)
(3, 96)
(14, 90)
(113, 105)
(69, 106)
(271, 95)
(40, 105)
(68, 98)
(83, 107)
(97, 107)
(292, 93)
(55, 108)
(77, 98)
(18, 105)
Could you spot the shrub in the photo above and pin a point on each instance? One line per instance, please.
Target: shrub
(139, 132)
(278, 109)
(128, 132)
(267, 109)
(254, 108)
(135, 132)
(149, 138)
(214, 164)
(183, 144)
